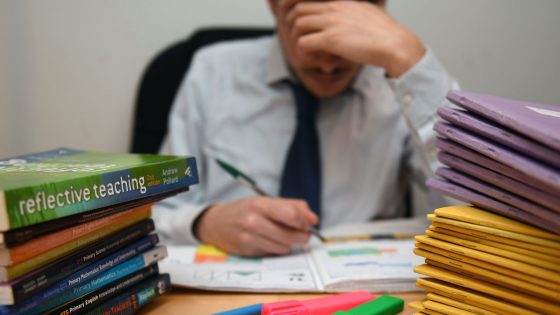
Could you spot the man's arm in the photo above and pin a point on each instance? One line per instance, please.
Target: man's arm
(251, 226)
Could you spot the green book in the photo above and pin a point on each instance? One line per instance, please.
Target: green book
(49, 185)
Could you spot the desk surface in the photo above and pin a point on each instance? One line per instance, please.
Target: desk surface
(195, 302)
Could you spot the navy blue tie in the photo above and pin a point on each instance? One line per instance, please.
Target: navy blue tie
(301, 177)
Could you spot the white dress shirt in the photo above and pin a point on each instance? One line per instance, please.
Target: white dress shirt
(233, 105)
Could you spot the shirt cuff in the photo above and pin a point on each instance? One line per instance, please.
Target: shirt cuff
(422, 89)
(175, 224)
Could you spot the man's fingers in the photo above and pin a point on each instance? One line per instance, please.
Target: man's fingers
(308, 24)
(318, 41)
(255, 245)
(290, 212)
(280, 233)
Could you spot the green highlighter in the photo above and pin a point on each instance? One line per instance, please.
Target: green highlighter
(383, 305)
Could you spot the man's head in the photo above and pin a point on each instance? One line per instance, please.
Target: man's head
(324, 74)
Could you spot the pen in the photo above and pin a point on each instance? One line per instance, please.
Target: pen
(252, 184)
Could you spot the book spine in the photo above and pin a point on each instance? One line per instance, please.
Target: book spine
(10, 239)
(41, 203)
(91, 300)
(49, 299)
(38, 275)
(89, 238)
(98, 266)
(140, 295)
(50, 241)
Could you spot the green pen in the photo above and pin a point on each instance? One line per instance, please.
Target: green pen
(382, 305)
(252, 184)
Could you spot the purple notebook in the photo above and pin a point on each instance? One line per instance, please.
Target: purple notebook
(479, 159)
(551, 202)
(500, 134)
(539, 122)
(464, 194)
(547, 218)
(546, 175)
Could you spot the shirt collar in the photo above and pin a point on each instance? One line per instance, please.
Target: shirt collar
(278, 69)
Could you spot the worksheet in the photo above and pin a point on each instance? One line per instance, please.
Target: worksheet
(376, 266)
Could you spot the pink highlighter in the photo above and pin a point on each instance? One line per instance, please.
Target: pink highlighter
(319, 306)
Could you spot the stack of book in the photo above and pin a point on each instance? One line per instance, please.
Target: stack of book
(76, 233)
(502, 255)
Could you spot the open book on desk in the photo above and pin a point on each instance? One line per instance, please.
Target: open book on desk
(374, 265)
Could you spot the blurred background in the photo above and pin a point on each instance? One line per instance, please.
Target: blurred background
(69, 69)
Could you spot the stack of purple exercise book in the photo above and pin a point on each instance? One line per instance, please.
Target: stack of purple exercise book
(502, 155)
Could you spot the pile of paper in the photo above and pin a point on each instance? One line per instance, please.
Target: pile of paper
(502, 256)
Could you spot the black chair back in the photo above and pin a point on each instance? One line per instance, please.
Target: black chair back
(162, 78)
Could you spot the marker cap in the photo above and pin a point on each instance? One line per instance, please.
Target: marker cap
(319, 306)
(383, 305)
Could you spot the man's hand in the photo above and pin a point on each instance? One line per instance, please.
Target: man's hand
(358, 31)
(257, 226)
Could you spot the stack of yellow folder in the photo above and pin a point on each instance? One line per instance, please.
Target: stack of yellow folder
(478, 262)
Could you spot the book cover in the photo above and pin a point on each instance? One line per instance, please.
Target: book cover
(524, 300)
(137, 297)
(520, 188)
(33, 272)
(49, 185)
(49, 299)
(10, 297)
(27, 250)
(537, 214)
(541, 122)
(91, 300)
(482, 127)
(548, 176)
(83, 240)
(12, 238)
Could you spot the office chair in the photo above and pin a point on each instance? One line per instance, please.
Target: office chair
(162, 78)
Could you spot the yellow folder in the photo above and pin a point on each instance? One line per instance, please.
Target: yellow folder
(504, 240)
(471, 297)
(469, 308)
(515, 249)
(494, 259)
(512, 296)
(485, 218)
(495, 251)
(445, 309)
(496, 278)
(443, 256)
(503, 233)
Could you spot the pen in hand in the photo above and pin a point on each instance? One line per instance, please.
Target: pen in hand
(252, 184)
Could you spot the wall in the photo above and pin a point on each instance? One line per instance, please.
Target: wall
(69, 68)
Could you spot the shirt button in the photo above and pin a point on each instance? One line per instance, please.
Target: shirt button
(407, 99)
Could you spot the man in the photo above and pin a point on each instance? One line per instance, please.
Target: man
(378, 86)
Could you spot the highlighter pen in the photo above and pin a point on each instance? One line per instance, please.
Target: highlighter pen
(252, 184)
(318, 306)
(247, 310)
(383, 305)
(368, 237)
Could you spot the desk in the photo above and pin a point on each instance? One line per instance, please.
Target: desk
(196, 302)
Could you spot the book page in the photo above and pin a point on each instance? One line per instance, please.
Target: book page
(206, 267)
(379, 266)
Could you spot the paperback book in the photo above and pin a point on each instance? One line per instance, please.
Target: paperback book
(50, 185)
